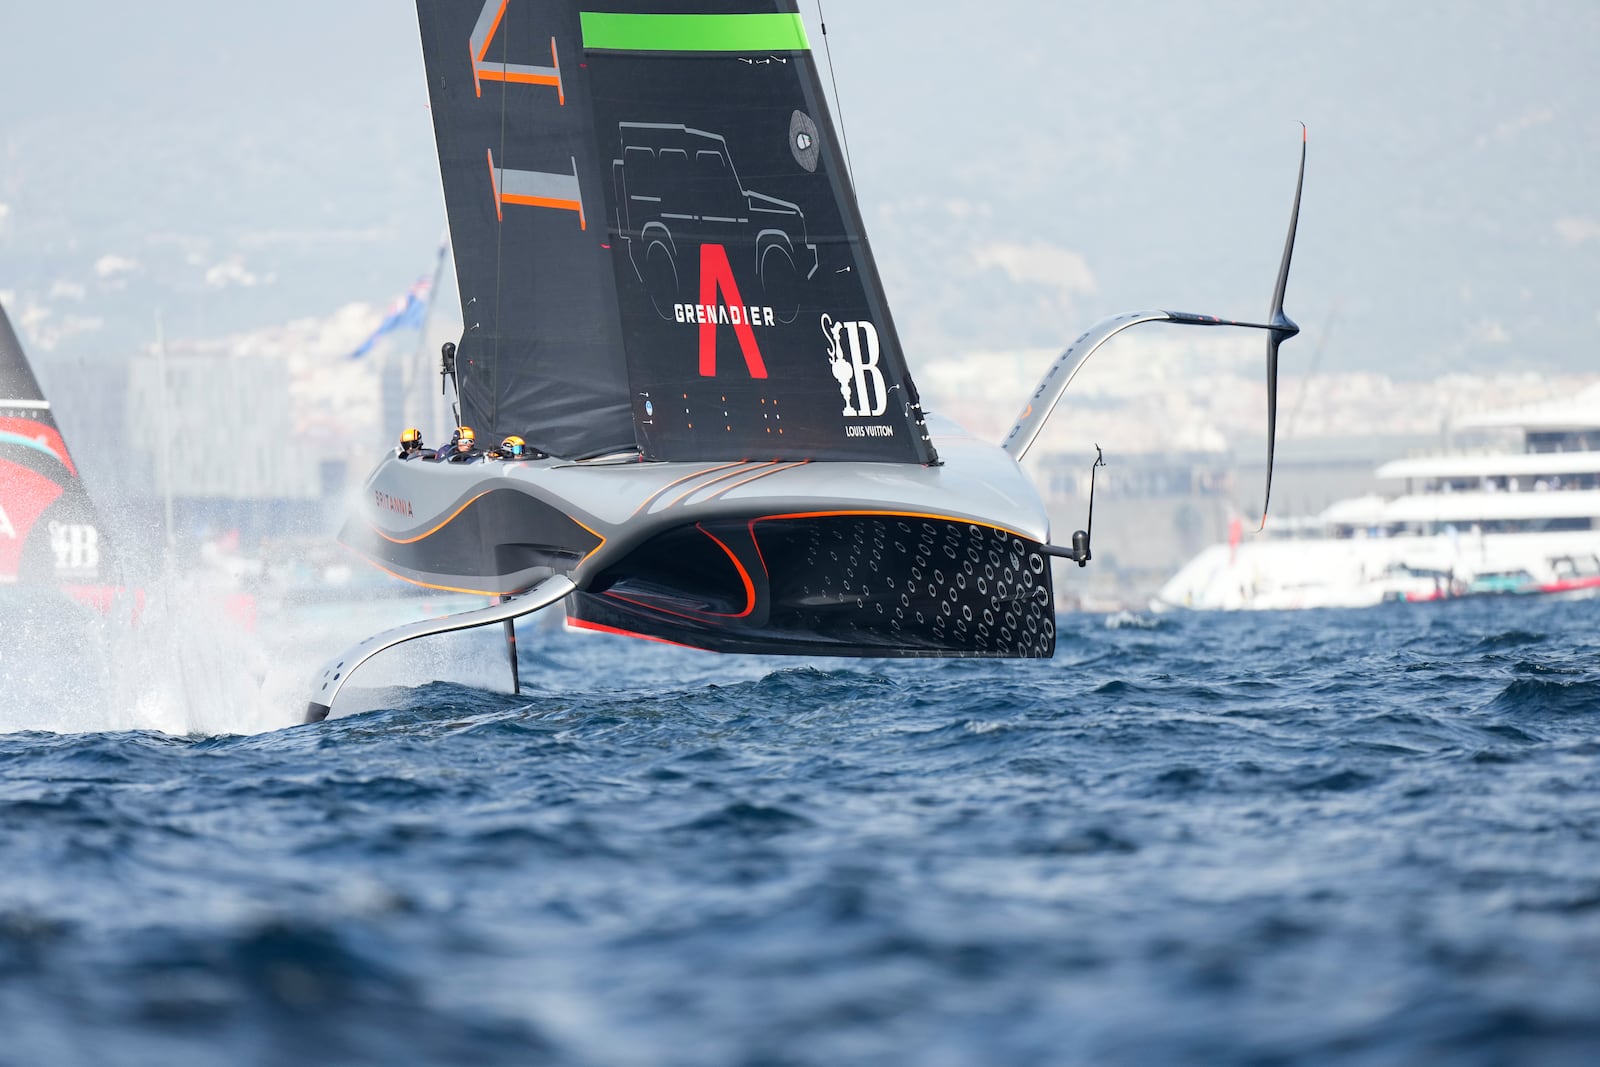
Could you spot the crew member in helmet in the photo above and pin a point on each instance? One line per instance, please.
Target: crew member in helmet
(411, 445)
(512, 447)
(464, 446)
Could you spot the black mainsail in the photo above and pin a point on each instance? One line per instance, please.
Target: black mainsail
(655, 237)
(49, 534)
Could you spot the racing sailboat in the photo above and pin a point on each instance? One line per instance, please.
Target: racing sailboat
(50, 535)
(668, 292)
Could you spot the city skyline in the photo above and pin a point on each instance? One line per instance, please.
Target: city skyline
(1020, 178)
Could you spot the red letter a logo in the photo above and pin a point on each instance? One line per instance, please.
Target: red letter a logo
(716, 275)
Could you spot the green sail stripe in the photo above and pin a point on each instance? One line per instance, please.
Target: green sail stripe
(615, 31)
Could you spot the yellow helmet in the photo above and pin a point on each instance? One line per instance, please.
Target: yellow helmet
(513, 445)
(464, 433)
(413, 436)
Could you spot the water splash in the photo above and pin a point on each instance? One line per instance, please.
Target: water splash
(181, 659)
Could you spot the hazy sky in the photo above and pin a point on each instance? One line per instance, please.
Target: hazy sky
(1025, 168)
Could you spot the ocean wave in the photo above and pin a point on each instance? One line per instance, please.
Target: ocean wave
(1209, 841)
(745, 820)
(1509, 639)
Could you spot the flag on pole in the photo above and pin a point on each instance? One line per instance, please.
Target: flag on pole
(408, 312)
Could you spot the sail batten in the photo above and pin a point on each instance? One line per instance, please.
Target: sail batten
(655, 238)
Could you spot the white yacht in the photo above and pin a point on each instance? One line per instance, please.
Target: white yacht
(1487, 521)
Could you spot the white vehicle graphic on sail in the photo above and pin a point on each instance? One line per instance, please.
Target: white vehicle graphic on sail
(670, 176)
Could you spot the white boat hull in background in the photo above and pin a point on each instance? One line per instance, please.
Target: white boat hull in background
(1361, 572)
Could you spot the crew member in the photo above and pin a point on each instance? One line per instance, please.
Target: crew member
(464, 446)
(512, 447)
(411, 445)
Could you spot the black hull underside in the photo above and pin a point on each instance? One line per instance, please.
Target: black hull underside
(858, 584)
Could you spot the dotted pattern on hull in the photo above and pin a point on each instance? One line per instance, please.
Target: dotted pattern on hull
(851, 585)
(962, 587)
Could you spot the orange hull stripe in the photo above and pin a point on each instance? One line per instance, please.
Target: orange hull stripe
(659, 493)
(744, 576)
(762, 556)
(755, 477)
(463, 507)
(436, 529)
(701, 488)
(593, 550)
(585, 624)
(430, 585)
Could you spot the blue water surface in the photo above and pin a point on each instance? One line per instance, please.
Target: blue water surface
(1367, 837)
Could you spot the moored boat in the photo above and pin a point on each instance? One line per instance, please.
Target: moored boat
(1467, 522)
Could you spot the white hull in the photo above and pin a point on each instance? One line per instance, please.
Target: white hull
(1360, 572)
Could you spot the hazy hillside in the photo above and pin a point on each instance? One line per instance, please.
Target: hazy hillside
(1023, 168)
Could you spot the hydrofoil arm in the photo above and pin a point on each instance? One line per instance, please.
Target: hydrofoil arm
(1067, 365)
(1279, 328)
(1060, 375)
(339, 669)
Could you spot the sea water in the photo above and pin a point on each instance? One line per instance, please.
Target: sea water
(1369, 837)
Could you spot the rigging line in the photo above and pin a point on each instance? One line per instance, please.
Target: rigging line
(499, 244)
(838, 104)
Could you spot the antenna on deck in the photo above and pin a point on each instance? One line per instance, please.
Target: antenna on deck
(1079, 552)
(447, 373)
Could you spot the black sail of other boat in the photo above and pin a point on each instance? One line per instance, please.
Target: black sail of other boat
(656, 242)
(50, 535)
